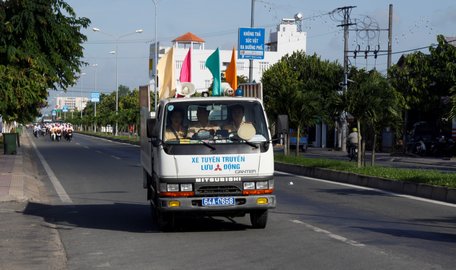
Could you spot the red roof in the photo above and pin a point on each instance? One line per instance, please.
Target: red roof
(189, 37)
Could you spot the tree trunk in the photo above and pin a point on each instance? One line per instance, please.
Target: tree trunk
(298, 130)
(404, 136)
(360, 150)
(373, 149)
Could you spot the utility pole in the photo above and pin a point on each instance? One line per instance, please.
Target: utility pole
(390, 35)
(345, 24)
(252, 24)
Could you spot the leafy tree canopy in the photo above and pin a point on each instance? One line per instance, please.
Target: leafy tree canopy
(40, 49)
(303, 87)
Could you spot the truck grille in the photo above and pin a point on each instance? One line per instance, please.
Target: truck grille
(217, 190)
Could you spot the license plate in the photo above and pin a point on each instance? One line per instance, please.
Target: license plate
(215, 201)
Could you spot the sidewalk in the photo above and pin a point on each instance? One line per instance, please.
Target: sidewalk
(18, 176)
(28, 242)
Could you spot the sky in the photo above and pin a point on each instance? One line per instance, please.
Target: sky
(415, 25)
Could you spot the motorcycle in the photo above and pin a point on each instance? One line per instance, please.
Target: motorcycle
(53, 136)
(352, 151)
(68, 135)
(58, 135)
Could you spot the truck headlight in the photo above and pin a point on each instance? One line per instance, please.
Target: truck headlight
(186, 187)
(262, 185)
(249, 185)
(172, 187)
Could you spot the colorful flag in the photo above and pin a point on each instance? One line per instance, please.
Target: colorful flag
(165, 70)
(186, 70)
(213, 64)
(231, 72)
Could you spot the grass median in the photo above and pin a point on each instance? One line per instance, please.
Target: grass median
(431, 177)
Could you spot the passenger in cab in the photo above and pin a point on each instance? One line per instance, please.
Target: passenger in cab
(237, 118)
(175, 130)
(203, 123)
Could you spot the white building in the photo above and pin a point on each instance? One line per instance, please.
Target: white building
(287, 39)
(72, 103)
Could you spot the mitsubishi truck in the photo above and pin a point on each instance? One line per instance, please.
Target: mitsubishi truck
(225, 170)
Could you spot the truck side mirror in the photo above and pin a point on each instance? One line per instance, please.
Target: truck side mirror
(150, 127)
(155, 141)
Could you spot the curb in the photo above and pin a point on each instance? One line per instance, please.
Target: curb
(443, 194)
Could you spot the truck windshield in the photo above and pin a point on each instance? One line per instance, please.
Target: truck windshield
(215, 122)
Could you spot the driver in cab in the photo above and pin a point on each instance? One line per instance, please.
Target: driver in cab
(175, 130)
(203, 124)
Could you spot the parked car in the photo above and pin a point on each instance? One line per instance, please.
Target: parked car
(303, 140)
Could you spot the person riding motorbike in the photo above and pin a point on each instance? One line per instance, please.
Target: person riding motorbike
(352, 143)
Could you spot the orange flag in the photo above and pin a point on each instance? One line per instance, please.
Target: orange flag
(230, 73)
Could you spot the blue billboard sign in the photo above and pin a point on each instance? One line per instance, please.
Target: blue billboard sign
(251, 43)
(95, 96)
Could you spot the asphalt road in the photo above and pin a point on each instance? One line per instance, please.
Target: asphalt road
(103, 221)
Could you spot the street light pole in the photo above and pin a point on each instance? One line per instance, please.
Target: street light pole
(95, 103)
(117, 38)
(155, 57)
(82, 86)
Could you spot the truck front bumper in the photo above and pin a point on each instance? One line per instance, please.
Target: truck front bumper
(243, 204)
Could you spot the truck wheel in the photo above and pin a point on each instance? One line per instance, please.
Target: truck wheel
(164, 221)
(259, 219)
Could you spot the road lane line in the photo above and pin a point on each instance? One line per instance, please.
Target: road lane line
(329, 234)
(370, 189)
(54, 180)
(118, 158)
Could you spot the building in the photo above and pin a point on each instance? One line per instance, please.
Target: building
(287, 38)
(72, 103)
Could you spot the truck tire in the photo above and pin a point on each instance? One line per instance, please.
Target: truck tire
(164, 221)
(259, 219)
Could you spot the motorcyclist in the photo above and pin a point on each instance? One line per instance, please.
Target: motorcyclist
(352, 140)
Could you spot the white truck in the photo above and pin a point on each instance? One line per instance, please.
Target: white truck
(221, 171)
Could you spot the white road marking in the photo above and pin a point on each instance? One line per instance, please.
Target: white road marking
(99, 152)
(85, 146)
(371, 189)
(118, 158)
(330, 234)
(54, 180)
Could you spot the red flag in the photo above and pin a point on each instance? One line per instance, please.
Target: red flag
(186, 71)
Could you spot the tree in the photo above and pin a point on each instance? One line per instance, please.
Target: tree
(425, 80)
(374, 104)
(40, 49)
(123, 91)
(303, 87)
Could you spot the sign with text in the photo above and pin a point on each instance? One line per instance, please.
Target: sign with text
(95, 96)
(251, 43)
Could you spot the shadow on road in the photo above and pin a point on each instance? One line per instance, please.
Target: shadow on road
(126, 217)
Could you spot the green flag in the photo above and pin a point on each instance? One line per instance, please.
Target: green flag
(213, 64)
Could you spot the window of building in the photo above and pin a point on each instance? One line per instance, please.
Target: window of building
(263, 66)
(202, 65)
(240, 66)
(179, 64)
